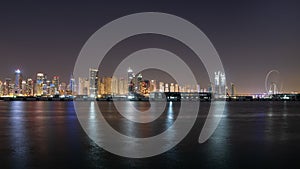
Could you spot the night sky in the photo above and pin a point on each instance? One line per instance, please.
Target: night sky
(251, 37)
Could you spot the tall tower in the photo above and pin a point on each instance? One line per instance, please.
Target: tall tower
(18, 82)
(153, 87)
(8, 87)
(232, 89)
(72, 86)
(130, 80)
(93, 81)
(139, 83)
(30, 87)
(55, 82)
(39, 83)
(220, 85)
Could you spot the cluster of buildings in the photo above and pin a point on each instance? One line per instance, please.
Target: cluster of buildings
(41, 85)
(96, 87)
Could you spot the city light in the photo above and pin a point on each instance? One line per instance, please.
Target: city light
(133, 87)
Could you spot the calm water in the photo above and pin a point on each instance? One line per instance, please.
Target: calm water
(250, 135)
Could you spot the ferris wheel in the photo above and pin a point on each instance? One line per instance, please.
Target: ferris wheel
(273, 82)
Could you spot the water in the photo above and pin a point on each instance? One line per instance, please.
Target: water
(250, 135)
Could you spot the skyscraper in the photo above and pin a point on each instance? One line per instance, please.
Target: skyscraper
(123, 86)
(220, 85)
(232, 89)
(8, 87)
(72, 86)
(107, 85)
(39, 84)
(83, 86)
(131, 84)
(172, 87)
(114, 85)
(18, 82)
(55, 82)
(93, 81)
(138, 85)
(153, 87)
(161, 87)
(30, 87)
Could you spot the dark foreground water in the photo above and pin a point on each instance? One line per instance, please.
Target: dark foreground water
(250, 135)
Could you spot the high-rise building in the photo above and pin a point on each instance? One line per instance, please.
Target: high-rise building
(8, 87)
(72, 86)
(93, 81)
(114, 85)
(161, 87)
(107, 85)
(18, 82)
(220, 85)
(39, 86)
(172, 87)
(232, 89)
(30, 87)
(139, 79)
(131, 84)
(144, 87)
(123, 86)
(83, 86)
(62, 88)
(167, 87)
(55, 82)
(153, 87)
(176, 88)
(24, 87)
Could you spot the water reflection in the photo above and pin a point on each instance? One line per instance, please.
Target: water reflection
(18, 135)
(48, 135)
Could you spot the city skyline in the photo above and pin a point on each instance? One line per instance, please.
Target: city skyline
(251, 38)
(95, 85)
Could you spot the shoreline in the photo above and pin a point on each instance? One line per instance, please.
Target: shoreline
(243, 99)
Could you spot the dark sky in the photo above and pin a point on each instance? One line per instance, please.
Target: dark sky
(251, 37)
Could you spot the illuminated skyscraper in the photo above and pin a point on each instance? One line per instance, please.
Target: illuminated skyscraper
(144, 87)
(161, 87)
(93, 81)
(55, 82)
(62, 88)
(24, 87)
(39, 84)
(30, 87)
(114, 85)
(176, 88)
(172, 87)
(167, 87)
(123, 86)
(131, 84)
(72, 86)
(107, 85)
(220, 85)
(8, 87)
(18, 82)
(153, 87)
(83, 86)
(139, 83)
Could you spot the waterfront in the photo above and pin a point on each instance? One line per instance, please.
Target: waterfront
(44, 134)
